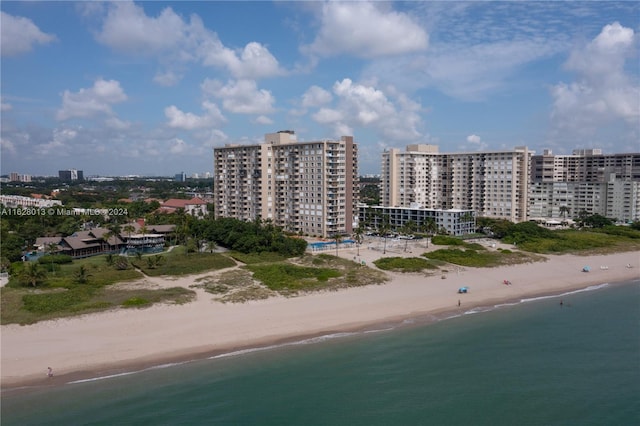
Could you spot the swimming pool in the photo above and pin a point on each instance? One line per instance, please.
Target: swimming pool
(323, 245)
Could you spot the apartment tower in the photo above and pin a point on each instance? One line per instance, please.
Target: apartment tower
(493, 184)
(563, 186)
(309, 188)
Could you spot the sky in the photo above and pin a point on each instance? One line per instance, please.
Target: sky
(150, 88)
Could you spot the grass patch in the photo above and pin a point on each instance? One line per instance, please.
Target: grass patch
(285, 278)
(404, 264)
(443, 240)
(253, 258)
(68, 300)
(101, 274)
(253, 292)
(481, 258)
(225, 282)
(135, 302)
(185, 264)
(28, 306)
(585, 242)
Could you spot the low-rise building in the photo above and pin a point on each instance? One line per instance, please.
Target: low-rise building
(195, 207)
(452, 221)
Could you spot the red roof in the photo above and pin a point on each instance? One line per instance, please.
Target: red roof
(181, 204)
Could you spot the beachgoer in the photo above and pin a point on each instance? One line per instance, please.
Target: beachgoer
(458, 302)
(561, 303)
(49, 372)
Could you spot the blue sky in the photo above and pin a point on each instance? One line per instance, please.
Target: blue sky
(149, 88)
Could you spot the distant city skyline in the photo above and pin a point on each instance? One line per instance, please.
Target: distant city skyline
(150, 88)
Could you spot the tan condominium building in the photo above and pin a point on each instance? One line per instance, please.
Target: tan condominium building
(305, 187)
(588, 181)
(493, 184)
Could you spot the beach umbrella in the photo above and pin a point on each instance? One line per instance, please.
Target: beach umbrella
(586, 269)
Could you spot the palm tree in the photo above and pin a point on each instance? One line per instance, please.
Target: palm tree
(82, 275)
(33, 275)
(114, 232)
(211, 246)
(564, 211)
(358, 236)
(110, 259)
(51, 249)
(129, 229)
(338, 239)
(407, 229)
(151, 262)
(384, 228)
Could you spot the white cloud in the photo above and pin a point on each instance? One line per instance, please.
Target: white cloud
(6, 146)
(391, 114)
(177, 146)
(603, 92)
(89, 102)
(327, 115)
(468, 72)
(476, 143)
(18, 35)
(117, 124)
(315, 96)
(262, 119)
(240, 96)
(167, 78)
(189, 121)
(5, 106)
(127, 28)
(365, 30)
(59, 145)
(173, 40)
(253, 61)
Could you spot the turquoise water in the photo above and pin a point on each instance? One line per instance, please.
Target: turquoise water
(535, 363)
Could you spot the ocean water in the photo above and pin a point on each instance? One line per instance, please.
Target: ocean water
(530, 363)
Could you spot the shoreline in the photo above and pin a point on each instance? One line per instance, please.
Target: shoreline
(125, 342)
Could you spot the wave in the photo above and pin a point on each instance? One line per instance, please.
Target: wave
(128, 373)
(581, 290)
(110, 376)
(481, 309)
(311, 340)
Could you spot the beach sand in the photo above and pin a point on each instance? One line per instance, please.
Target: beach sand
(124, 340)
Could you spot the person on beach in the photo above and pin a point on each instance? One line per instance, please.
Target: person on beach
(458, 302)
(49, 372)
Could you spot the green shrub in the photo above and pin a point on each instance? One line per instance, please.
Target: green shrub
(135, 302)
(404, 264)
(282, 276)
(443, 240)
(59, 259)
(466, 257)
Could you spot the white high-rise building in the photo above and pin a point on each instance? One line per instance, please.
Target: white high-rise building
(309, 188)
(493, 184)
(564, 186)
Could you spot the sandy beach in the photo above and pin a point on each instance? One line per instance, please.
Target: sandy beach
(112, 342)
